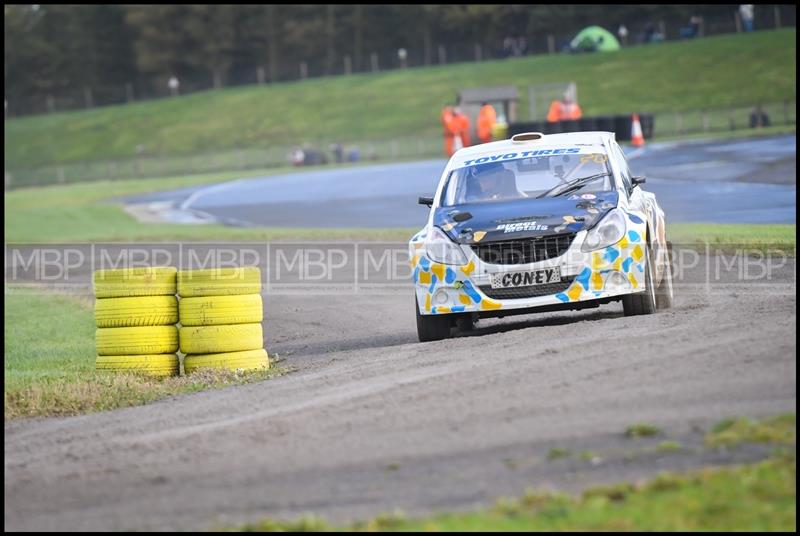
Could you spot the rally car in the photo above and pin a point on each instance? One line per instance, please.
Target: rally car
(538, 223)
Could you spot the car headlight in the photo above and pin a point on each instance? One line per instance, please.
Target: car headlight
(441, 249)
(609, 231)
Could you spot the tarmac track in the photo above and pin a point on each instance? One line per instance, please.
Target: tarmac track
(721, 181)
(372, 421)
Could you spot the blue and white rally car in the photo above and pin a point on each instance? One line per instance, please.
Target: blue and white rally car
(538, 223)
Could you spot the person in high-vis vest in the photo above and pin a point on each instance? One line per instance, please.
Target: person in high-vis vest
(563, 110)
(487, 118)
(449, 130)
(461, 121)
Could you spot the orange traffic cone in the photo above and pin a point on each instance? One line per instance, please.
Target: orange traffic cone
(637, 139)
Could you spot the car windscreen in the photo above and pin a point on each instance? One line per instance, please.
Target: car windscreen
(526, 178)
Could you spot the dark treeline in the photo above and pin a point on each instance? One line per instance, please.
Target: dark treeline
(118, 53)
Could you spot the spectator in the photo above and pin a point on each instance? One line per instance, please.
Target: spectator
(759, 118)
(622, 33)
(746, 14)
(338, 152)
(461, 128)
(487, 118)
(565, 109)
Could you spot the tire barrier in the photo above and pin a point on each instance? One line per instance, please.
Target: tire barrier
(219, 282)
(220, 313)
(135, 313)
(246, 360)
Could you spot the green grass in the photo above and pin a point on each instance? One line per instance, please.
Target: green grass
(752, 497)
(737, 70)
(727, 236)
(558, 453)
(50, 358)
(731, 432)
(641, 430)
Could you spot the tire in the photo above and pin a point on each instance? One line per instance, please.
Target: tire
(247, 360)
(219, 282)
(216, 310)
(217, 339)
(432, 327)
(137, 340)
(137, 311)
(153, 365)
(665, 296)
(465, 322)
(642, 303)
(125, 282)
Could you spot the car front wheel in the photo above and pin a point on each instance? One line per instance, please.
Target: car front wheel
(642, 303)
(432, 327)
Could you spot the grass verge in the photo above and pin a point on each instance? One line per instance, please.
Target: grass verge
(751, 497)
(50, 358)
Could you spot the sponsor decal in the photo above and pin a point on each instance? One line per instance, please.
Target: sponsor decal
(588, 196)
(522, 154)
(521, 226)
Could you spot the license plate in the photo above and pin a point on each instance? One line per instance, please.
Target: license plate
(526, 279)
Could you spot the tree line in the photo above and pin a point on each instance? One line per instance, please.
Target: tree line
(53, 49)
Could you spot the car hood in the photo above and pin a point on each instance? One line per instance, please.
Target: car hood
(471, 223)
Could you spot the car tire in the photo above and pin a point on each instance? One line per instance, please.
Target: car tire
(465, 322)
(432, 327)
(642, 303)
(664, 293)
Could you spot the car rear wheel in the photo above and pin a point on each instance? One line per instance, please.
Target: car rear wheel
(432, 327)
(642, 303)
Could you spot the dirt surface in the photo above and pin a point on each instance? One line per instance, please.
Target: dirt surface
(373, 421)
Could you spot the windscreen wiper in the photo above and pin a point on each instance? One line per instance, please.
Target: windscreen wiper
(571, 186)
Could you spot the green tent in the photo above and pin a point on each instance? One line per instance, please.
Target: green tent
(594, 38)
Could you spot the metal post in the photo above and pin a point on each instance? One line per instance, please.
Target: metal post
(732, 120)
(738, 21)
(531, 103)
(87, 96)
(478, 52)
(551, 44)
(61, 176)
(777, 11)
(348, 65)
(303, 70)
(261, 74)
(705, 121)
(442, 55)
(51, 104)
(129, 92)
(373, 58)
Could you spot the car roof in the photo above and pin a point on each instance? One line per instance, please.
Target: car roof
(546, 140)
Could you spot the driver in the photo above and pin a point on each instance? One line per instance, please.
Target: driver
(491, 181)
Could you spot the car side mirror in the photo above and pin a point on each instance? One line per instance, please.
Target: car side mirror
(425, 201)
(638, 180)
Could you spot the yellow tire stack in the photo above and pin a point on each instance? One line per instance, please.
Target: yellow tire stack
(220, 312)
(135, 313)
